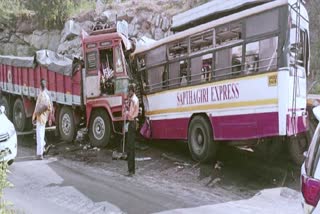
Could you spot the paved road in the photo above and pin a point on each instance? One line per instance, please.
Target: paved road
(81, 180)
(58, 186)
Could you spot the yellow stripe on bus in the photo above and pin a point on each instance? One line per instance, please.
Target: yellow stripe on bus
(213, 106)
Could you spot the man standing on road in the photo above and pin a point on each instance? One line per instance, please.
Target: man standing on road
(131, 116)
(41, 115)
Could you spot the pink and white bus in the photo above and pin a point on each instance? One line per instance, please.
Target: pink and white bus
(239, 78)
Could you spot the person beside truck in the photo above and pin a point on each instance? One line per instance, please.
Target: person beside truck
(41, 116)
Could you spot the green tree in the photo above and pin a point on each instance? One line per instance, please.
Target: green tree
(9, 11)
(51, 13)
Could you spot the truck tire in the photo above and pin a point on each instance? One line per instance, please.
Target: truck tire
(19, 118)
(7, 107)
(200, 140)
(67, 127)
(99, 128)
(297, 146)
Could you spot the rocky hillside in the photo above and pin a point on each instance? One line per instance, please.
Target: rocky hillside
(146, 18)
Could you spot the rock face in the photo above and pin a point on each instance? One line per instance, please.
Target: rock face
(145, 19)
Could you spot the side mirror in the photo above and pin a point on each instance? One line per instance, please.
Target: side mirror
(305, 154)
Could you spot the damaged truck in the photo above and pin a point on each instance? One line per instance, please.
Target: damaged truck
(90, 90)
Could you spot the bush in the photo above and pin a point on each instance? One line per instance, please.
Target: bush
(4, 183)
(81, 6)
(10, 10)
(51, 14)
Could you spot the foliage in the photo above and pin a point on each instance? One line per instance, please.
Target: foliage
(81, 6)
(10, 10)
(51, 14)
(4, 183)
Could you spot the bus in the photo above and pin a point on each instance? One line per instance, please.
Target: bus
(240, 79)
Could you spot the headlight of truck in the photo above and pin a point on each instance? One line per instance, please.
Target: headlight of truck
(11, 131)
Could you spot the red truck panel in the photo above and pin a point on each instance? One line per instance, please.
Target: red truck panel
(26, 81)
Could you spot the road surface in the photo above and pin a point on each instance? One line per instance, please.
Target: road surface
(58, 186)
(78, 179)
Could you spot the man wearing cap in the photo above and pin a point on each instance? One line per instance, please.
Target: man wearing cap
(131, 116)
(41, 115)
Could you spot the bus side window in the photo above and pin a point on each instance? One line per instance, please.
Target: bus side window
(206, 67)
(223, 64)
(228, 33)
(141, 63)
(252, 58)
(155, 78)
(236, 60)
(201, 68)
(174, 74)
(145, 82)
(183, 72)
(165, 77)
(261, 55)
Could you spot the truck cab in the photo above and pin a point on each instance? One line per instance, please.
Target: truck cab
(105, 83)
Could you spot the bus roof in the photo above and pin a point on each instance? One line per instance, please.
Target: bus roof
(210, 11)
(212, 24)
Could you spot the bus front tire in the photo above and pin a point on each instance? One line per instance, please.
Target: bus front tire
(99, 128)
(200, 140)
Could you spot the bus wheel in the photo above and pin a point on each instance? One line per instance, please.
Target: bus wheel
(19, 116)
(297, 146)
(200, 140)
(67, 127)
(100, 128)
(7, 107)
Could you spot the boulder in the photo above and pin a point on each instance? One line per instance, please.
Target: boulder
(40, 39)
(54, 40)
(70, 47)
(71, 30)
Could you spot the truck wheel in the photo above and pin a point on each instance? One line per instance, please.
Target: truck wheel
(297, 146)
(200, 140)
(100, 128)
(66, 124)
(7, 107)
(19, 116)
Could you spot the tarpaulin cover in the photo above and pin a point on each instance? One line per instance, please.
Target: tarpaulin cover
(54, 62)
(26, 62)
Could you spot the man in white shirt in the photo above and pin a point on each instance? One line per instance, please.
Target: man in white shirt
(131, 116)
(41, 115)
